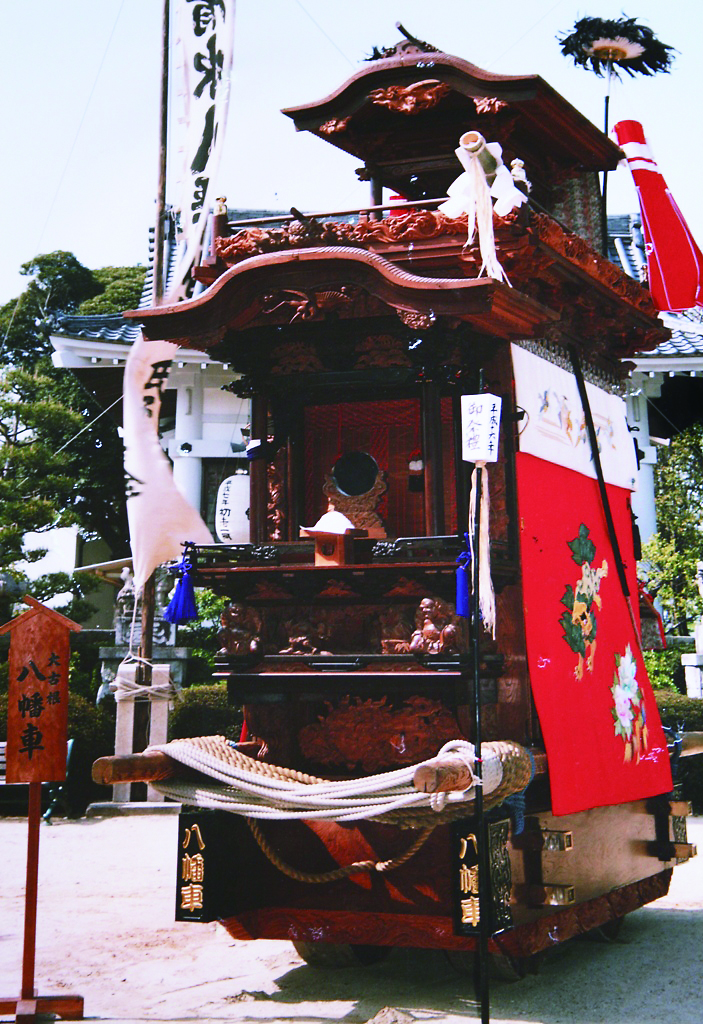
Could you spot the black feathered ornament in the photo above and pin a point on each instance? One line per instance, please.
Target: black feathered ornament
(610, 45)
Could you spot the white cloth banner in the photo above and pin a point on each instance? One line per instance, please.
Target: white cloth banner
(206, 38)
(555, 428)
(160, 518)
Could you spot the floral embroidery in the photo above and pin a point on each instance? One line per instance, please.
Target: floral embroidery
(628, 712)
(582, 600)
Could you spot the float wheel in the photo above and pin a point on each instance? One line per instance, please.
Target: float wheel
(333, 955)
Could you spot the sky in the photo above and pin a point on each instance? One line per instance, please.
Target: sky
(80, 87)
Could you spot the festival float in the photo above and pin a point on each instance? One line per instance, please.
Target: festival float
(450, 739)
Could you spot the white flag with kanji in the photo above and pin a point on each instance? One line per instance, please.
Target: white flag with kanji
(206, 44)
(160, 518)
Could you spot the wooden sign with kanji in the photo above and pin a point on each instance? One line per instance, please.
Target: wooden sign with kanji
(37, 712)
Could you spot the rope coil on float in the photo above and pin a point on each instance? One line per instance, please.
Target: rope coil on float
(255, 789)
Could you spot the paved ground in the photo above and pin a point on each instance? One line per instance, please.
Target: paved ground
(106, 931)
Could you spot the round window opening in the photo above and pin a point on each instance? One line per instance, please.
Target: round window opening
(355, 473)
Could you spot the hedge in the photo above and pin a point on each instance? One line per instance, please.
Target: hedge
(678, 711)
(205, 711)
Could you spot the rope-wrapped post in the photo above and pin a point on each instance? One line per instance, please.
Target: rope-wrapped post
(128, 689)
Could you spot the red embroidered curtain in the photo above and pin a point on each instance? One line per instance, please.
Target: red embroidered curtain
(600, 723)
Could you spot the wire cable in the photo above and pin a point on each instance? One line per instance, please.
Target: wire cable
(89, 425)
(524, 35)
(327, 37)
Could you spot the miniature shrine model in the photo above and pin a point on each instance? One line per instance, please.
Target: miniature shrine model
(356, 339)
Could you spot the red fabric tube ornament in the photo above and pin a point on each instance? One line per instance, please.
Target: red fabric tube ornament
(674, 261)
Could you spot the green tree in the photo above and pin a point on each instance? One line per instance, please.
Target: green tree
(121, 288)
(60, 283)
(35, 480)
(672, 554)
(61, 453)
(94, 454)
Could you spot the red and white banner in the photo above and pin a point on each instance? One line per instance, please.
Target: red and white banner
(674, 261)
(206, 41)
(160, 518)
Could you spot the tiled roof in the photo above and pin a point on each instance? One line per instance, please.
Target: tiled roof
(111, 326)
(106, 327)
(687, 336)
(626, 245)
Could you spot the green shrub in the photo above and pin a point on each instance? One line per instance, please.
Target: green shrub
(664, 668)
(205, 711)
(679, 711)
(201, 635)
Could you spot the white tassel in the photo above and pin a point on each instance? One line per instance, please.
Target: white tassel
(487, 597)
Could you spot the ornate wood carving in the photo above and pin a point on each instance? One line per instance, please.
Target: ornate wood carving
(371, 735)
(295, 357)
(410, 99)
(488, 104)
(334, 125)
(268, 590)
(381, 350)
(412, 225)
(275, 513)
(405, 588)
(338, 588)
(436, 629)
(395, 631)
(415, 321)
(500, 872)
(360, 509)
(578, 251)
(308, 306)
(240, 631)
(306, 635)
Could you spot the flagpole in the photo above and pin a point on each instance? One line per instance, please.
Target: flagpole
(606, 119)
(163, 151)
(149, 590)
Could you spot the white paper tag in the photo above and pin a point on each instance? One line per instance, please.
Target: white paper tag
(480, 427)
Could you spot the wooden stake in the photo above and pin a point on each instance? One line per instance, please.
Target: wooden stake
(30, 1005)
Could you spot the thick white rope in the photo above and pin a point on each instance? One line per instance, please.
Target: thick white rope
(259, 796)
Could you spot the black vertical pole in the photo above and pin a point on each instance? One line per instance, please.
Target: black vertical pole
(483, 879)
(604, 197)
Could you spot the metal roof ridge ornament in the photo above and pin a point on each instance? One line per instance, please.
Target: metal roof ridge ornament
(411, 44)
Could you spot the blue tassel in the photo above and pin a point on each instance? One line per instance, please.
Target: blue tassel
(182, 607)
(462, 581)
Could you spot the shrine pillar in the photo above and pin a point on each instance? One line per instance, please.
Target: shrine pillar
(187, 465)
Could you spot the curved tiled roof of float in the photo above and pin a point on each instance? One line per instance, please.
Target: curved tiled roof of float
(548, 112)
(234, 300)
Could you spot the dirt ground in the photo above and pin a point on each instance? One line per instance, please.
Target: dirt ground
(106, 931)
